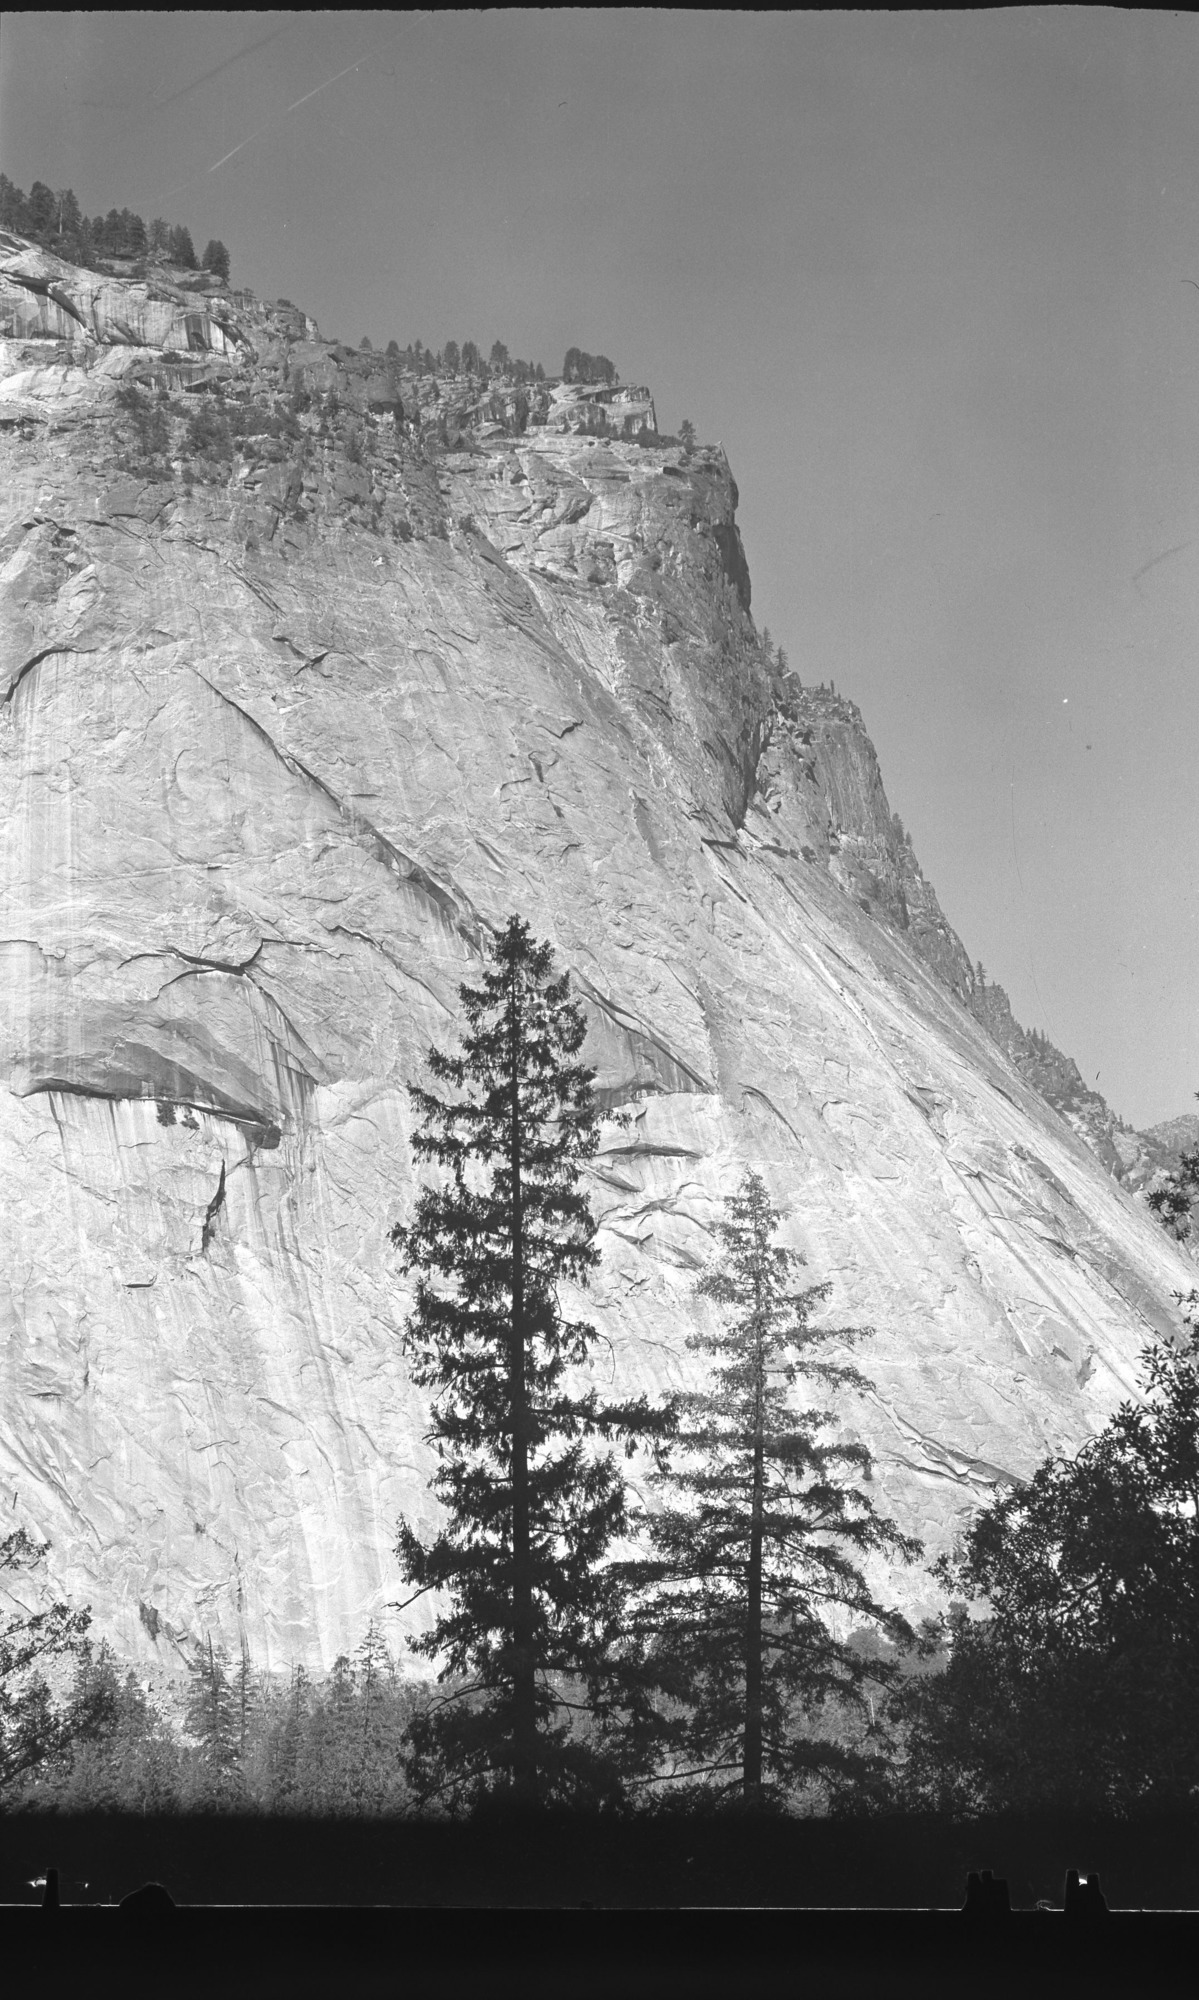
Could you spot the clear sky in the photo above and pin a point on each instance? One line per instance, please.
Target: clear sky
(933, 279)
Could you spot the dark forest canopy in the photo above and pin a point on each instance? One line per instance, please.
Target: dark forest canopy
(54, 218)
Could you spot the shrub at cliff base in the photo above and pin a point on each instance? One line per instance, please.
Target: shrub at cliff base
(1079, 1690)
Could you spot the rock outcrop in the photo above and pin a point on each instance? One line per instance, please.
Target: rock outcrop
(315, 673)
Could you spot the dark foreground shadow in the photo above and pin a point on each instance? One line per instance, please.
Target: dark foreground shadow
(583, 1955)
(566, 1907)
(502, 1860)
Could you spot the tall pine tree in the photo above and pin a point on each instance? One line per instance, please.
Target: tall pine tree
(759, 1539)
(214, 1719)
(532, 1502)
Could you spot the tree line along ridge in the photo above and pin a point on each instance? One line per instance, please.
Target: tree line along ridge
(54, 219)
(469, 359)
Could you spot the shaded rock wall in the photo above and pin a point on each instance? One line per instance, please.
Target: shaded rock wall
(294, 718)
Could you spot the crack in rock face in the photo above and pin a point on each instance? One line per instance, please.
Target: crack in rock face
(286, 743)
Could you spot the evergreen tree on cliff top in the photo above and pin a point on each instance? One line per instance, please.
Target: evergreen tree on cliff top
(532, 1501)
(764, 1522)
(216, 260)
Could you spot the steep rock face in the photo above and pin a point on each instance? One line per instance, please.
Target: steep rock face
(821, 782)
(302, 703)
(87, 312)
(821, 785)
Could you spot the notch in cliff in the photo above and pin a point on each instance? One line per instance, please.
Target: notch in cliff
(212, 1212)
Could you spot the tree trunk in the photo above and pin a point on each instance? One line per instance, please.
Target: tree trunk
(752, 1755)
(524, 1689)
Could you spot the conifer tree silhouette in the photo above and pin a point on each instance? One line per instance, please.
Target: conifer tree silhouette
(762, 1529)
(532, 1501)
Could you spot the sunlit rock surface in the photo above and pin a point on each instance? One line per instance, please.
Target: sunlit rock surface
(291, 725)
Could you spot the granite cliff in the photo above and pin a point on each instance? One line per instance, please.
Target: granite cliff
(313, 673)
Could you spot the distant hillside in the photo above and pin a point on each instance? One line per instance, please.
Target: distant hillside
(1167, 1142)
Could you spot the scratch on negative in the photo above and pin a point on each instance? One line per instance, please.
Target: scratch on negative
(1155, 560)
